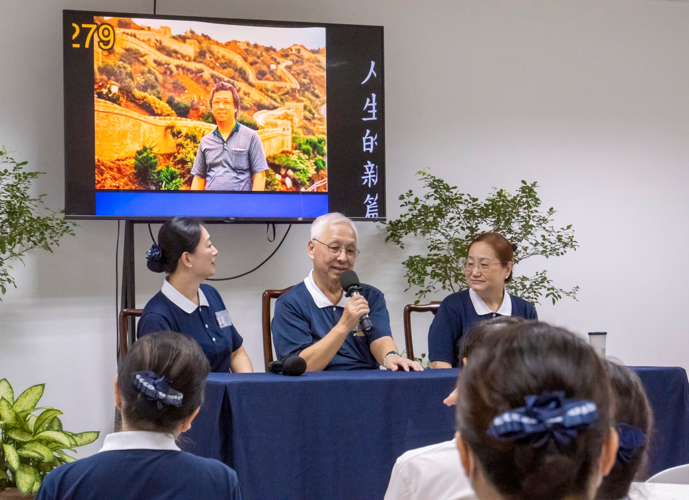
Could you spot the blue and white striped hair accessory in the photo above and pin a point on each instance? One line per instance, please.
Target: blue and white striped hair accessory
(547, 416)
(157, 389)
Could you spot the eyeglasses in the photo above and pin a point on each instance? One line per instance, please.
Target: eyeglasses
(336, 249)
(482, 266)
(225, 103)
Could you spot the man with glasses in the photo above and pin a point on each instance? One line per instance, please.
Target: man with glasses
(316, 321)
(231, 158)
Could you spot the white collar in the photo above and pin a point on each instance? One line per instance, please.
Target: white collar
(319, 297)
(139, 440)
(482, 309)
(180, 300)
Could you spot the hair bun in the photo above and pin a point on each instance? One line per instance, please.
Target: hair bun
(154, 258)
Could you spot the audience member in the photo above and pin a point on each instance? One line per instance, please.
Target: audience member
(159, 390)
(535, 417)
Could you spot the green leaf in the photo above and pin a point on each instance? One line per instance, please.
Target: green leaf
(84, 438)
(56, 437)
(29, 454)
(44, 418)
(31, 422)
(6, 391)
(3, 477)
(66, 458)
(19, 435)
(26, 413)
(55, 425)
(41, 449)
(36, 484)
(9, 416)
(25, 478)
(29, 398)
(11, 456)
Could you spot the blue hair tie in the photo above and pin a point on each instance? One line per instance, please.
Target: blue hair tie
(156, 389)
(631, 439)
(547, 416)
(154, 253)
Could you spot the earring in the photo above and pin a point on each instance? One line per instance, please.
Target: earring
(189, 265)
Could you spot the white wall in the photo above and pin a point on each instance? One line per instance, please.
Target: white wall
(589, 98)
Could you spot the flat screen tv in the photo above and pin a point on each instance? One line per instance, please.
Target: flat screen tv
(222, 119)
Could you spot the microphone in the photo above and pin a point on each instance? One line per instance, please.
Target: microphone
(351, 286)
(292, 366)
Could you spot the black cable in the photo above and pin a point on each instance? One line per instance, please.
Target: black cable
(258, 266)
(154, 7)
(117, 285)
(268, 226)
(151, 233)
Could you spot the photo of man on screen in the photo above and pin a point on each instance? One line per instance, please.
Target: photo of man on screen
(231, 158)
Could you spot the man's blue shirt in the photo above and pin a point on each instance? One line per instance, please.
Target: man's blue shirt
(209, 325)
(299, 323)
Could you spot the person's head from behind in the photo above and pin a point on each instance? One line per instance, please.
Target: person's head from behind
(184, 246)
(333, 246)
(535, 416)
(477, 335)
(161, 383)
(634, 419)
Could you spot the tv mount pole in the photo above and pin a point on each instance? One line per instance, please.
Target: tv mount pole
(128, 293)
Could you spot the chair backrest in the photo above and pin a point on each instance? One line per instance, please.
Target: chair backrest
(268, 295)
(408, 309)
(126, 336)
(674, 475)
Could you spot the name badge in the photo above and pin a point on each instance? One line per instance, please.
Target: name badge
(223, 318)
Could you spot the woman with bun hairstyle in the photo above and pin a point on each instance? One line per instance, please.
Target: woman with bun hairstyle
(535, 417)
(634, 418)
(487, 268)
(185, 252)
(159, 390)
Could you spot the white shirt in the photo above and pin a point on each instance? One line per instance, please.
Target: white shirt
(180, 300)
(430, 473)
(139, 440)
(482, 309)
(319, 297)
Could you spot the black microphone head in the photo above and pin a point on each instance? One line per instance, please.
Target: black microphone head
(293, 366)
(275, 366)
(349, 279)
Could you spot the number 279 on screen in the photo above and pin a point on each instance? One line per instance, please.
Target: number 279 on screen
(106, 35)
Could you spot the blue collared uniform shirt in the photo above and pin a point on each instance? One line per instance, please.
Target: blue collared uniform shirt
(203, 325)
(456, 315)
(299, 323)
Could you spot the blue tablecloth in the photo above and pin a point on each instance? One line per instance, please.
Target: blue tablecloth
(337, 435)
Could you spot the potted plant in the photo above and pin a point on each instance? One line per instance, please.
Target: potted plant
(449, 221)
(22, 227)
(33, 440)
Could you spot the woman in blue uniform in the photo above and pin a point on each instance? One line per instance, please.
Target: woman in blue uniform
(159, 390)
(488, 267)
(184, 304)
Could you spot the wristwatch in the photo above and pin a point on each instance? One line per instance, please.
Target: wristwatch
(391, 353)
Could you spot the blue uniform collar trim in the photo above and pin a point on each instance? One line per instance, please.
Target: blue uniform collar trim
(139, 440)
(217, 133)
(180, 300)
(319, 297)
(482, 309)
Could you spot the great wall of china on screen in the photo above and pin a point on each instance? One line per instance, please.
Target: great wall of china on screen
(152, 107)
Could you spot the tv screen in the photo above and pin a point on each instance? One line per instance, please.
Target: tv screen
(222, 119)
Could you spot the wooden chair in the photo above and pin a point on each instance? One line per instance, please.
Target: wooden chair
(268, 295)
(126, 337)
(408, 309)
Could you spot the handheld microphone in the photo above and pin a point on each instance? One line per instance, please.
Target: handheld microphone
(351, 286)
(292, 366)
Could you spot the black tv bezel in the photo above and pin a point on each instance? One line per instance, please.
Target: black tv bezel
(247, 22)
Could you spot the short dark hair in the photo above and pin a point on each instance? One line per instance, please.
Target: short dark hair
(225, 85)
(477, 333)
(531, 358)
(632, 408)
(175, 237)
(500, 245)
(185, 368)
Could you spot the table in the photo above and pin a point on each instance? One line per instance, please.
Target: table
(332, 435)
(658, 491)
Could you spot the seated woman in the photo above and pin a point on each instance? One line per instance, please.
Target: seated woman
(634, 423)
(535, 417)
(488, 267)
(159, 390)
(184, 305)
